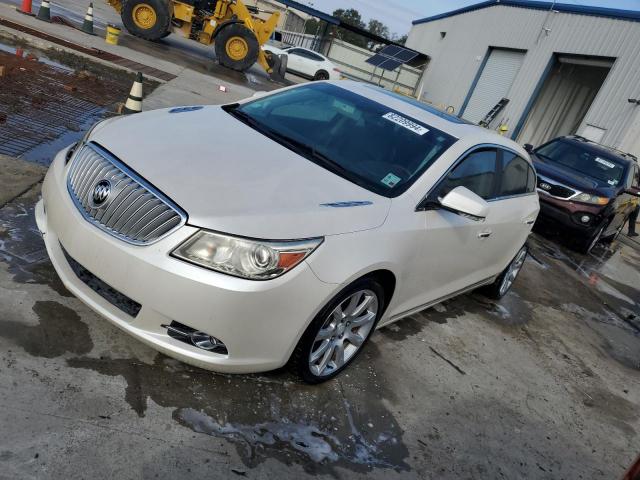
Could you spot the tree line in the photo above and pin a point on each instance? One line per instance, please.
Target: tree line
(353, 17)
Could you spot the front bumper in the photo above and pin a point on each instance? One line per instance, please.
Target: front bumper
(259, 322)
(566, 212)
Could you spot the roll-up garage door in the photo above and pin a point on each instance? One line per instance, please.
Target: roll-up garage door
(494, 83)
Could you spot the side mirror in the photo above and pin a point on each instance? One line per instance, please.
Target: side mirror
(463, 201)
(633, 191)
(528, 147)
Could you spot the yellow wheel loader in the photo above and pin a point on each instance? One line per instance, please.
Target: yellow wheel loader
(228, 24)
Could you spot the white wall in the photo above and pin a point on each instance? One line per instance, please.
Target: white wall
(352, 61)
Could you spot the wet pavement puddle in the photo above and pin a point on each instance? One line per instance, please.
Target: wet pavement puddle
(48, 99)
(268, 416)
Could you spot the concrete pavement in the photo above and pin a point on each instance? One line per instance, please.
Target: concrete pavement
(198, 76)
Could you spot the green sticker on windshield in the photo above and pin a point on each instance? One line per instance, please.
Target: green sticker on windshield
(391, 180)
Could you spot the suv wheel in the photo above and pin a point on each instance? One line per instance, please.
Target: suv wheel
(504, 282)
(588, 244)
(614, 237)
(339, 332)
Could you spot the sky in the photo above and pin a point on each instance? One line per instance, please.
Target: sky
(398, 14)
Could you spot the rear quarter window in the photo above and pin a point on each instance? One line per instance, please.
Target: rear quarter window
(518, 178)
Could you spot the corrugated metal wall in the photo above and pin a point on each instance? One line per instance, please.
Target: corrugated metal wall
(456, 58)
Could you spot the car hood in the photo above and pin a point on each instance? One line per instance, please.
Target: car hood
(232, 179)
(569, 177)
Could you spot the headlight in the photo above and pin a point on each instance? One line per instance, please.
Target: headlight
(241, 257)
(588, 198)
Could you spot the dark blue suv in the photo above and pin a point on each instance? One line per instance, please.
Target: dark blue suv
(590, 189)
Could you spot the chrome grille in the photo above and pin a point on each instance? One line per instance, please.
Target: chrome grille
(133, 211)
(555, 189)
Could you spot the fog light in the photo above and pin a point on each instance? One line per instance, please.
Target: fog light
(205, 341)
(585, 219)
(197, 338)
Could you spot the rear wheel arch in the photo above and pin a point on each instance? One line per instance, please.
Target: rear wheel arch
(321, 74)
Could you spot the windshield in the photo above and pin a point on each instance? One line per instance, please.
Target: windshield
(363, 141)
(604, 169)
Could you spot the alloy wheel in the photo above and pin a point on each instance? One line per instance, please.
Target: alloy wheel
(343, 332)
(513, 270)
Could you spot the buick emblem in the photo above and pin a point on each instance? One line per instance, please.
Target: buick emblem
(545, 186)
(101, 192)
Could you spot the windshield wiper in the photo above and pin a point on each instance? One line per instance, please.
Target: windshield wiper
(297, 146)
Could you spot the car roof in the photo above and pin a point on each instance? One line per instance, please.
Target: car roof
(428, 114)
(598, 148)
(312, 51)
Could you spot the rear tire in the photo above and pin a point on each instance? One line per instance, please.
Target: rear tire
(321, 75)
(507, 278)
(147, 19)
(237, 47)
(328, 338)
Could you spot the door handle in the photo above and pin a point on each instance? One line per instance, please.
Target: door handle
(529, 222)
(485, 234)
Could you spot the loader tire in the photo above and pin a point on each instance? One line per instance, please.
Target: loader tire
(148, 19)
(237, 47)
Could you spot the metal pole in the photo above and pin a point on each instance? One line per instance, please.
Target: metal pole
(395, 82)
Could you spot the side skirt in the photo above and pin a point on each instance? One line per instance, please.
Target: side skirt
(411, 311)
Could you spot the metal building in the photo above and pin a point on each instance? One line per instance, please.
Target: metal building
(563, 68)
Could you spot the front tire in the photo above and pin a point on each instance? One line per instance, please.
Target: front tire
(237, 47)
(339, 332)
(147, 19)
(507, 278)
(589, 243)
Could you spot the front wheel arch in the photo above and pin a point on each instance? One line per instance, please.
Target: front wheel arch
(299, 361)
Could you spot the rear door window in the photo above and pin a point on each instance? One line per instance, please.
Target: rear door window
(477, 172)
(518, 178)
(315, 57)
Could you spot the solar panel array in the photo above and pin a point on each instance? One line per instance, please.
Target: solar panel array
(391, 57)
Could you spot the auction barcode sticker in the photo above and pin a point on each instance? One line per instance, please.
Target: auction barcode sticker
(406, 123)
(604, 162)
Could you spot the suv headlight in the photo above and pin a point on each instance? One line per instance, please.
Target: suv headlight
(588, 198)
(245, 258)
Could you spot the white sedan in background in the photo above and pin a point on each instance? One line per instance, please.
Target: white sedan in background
(284, 228)
(307, 63)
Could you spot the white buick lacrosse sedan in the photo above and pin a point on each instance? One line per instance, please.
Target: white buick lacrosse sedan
(285, 228)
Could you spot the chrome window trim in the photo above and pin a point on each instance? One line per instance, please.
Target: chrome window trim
(560, 184)
(463, 156)
(133, 176)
